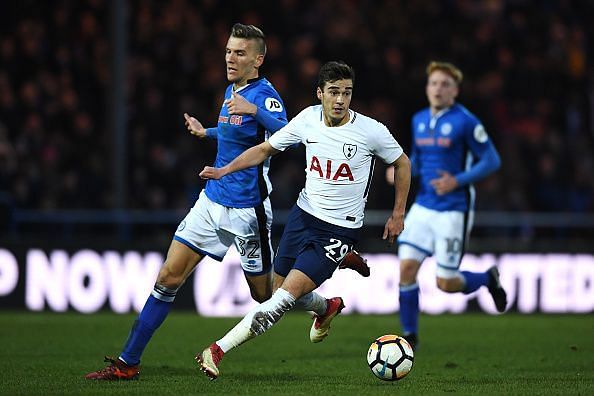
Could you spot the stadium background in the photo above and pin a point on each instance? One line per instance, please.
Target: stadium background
(96, 168)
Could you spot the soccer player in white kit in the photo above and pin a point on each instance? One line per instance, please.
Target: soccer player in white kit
(341, 147)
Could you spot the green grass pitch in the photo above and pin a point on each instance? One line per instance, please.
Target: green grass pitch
(49, 353)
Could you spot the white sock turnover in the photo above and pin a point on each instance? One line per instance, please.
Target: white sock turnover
(258, 320)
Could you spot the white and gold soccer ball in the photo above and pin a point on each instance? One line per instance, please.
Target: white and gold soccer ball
(390, 357)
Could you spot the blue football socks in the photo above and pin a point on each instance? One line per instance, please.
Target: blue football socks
(409, 308)
(152, 315)
(474, 280)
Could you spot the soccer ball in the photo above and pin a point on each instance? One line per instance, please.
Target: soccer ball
(390, 357)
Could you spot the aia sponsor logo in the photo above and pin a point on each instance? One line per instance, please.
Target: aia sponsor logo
(329, 170)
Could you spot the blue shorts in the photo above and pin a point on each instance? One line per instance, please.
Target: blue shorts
(312, 246)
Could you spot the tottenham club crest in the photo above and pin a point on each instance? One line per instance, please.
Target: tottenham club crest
(349, 150)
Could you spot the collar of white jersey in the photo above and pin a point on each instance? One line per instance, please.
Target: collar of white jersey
(352, 117)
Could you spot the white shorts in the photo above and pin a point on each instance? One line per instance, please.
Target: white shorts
(429, 232)
(210, 229)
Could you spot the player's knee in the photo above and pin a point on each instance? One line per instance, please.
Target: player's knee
(408, 272)
(169, 278)
(261, 295)
(448, 285)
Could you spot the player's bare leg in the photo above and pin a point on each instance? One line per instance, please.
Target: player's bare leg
(311, 301)
(277, 281)
(298, 284)
(450, 285)
(408, 271)
(180, 262)
(260, 286)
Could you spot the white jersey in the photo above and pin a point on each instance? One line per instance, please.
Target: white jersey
(339, 163)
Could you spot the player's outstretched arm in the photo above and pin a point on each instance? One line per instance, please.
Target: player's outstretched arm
(395, 223)
(194, 126)
(251, 157)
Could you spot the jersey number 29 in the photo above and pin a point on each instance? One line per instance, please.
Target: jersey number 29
(336, 250)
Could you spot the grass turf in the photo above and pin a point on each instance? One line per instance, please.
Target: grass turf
(49, 353)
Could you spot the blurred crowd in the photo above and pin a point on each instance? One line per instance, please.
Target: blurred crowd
(528, 68)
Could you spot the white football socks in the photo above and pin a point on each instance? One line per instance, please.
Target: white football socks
(258, 320)
(312, 302)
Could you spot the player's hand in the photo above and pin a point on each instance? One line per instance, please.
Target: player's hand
(240, 105)
(445, 183)
(393, 228)
(211, 173)
(194, 126)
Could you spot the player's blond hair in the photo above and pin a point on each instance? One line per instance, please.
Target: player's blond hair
(447, 68)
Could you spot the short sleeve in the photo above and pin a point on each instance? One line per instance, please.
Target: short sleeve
(383, 145)
(290, 134)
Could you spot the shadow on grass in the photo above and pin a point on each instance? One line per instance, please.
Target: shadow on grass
(272, 378)
(148, 372)
(170, 371)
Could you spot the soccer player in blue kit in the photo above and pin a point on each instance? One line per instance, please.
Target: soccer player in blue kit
(341, 147)
(234, 211)
(450, 151)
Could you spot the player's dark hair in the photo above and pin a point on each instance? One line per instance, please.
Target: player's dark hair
(334, 71)
(250, 32)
